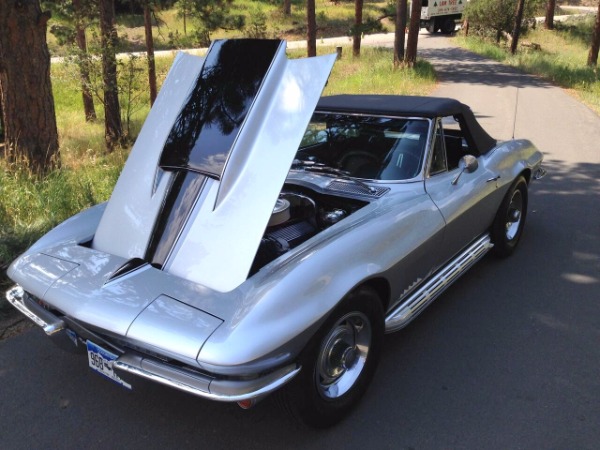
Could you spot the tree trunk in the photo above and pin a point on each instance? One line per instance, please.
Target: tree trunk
(400, 32)
(410, 57)
(25, 88)
(595, 45)
(549, 22)
(185, 10)
(517, 29)
(83, 62)
(1, 125)
(311, 28)
(358, 12)
(113, 130)
(150, 52)
(287, 7)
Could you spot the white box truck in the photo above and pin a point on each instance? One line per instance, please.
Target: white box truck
(441, 15)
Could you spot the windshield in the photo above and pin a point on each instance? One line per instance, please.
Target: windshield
(374, 148)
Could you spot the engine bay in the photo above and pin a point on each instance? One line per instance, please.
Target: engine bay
(299, 214)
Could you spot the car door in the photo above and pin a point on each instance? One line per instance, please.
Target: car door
(467, 203)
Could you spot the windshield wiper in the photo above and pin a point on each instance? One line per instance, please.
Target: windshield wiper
(313, 166)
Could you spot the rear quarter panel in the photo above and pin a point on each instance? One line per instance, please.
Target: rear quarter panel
(513, 158)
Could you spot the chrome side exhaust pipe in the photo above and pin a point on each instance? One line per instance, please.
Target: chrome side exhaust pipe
(410, 308)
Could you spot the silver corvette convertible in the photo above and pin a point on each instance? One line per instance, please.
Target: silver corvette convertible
(261, 238)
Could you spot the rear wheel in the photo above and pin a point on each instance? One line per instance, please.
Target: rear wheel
(510, 219)
(339, 362)
(448, 26)
(431, 26)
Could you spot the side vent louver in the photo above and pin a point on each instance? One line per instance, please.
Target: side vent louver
(348, 187)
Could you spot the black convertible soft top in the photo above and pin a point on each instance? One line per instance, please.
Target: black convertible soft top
(413, 106)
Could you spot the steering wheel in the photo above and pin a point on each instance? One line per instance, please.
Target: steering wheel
(356, 158)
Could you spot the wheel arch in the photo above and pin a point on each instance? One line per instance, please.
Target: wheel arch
(382, 287)
(526, 173)
(308, 397)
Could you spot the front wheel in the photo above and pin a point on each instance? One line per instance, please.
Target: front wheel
(510, 219)
(448, 26)
(339, 362)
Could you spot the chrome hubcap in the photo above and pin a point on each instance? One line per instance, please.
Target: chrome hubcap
(514, 215)
(343, 355)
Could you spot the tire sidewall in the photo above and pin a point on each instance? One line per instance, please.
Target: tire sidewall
(303, 397)
(502, 245)
(448, 26)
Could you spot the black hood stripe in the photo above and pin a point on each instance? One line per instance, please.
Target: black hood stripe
(202, 136)
(174, 214)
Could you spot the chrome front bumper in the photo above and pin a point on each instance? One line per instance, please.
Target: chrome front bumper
(187, 380)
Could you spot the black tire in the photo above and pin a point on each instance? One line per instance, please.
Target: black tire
(510, 219)
(338, 363)
(431, 26)
(448, 26)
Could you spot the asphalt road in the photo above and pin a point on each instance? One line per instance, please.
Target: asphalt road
(509, 357)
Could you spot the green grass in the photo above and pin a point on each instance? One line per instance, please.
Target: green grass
(30, 206)
(373, 73)
(562, 58)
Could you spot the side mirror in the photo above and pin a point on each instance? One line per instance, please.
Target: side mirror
(467, 163)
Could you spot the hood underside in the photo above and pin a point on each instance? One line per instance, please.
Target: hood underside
(203, 177)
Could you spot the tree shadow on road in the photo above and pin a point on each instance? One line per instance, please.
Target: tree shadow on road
(457, 65)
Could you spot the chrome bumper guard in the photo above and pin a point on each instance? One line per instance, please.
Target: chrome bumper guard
(206, 386)
(51, 324)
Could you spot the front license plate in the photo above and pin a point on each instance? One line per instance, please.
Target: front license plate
(101, 361)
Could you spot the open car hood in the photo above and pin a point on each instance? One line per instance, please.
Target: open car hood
(203, 177)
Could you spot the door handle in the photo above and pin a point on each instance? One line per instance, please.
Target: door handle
(489, 180)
